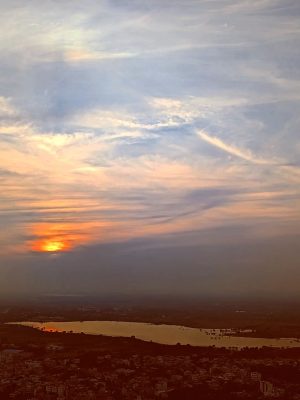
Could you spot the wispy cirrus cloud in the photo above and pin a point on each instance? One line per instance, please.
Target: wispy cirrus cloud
(233, 150)
(291, 171)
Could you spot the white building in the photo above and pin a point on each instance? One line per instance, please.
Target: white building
(266, 388)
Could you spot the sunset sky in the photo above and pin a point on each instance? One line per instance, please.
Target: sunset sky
(150, 146)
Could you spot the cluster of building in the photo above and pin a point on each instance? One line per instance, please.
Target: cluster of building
(53, 372)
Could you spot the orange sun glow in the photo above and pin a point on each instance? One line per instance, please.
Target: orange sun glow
(62, 237)
(53, 246)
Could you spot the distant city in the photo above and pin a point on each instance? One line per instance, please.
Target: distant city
(53, 372)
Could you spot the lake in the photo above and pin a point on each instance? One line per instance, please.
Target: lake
(164, 334)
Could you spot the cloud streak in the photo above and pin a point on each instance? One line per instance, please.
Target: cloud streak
(246, 155)
(233, 150)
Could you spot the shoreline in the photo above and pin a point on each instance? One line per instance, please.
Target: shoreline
(164, 333)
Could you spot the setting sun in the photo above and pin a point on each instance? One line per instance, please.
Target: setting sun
(53, 246)
(62, 237)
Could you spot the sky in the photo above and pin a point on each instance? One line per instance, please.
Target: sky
(150, 146)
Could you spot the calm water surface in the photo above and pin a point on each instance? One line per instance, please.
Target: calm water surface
(165, 334)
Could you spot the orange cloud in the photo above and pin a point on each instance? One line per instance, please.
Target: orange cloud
(53, 237)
